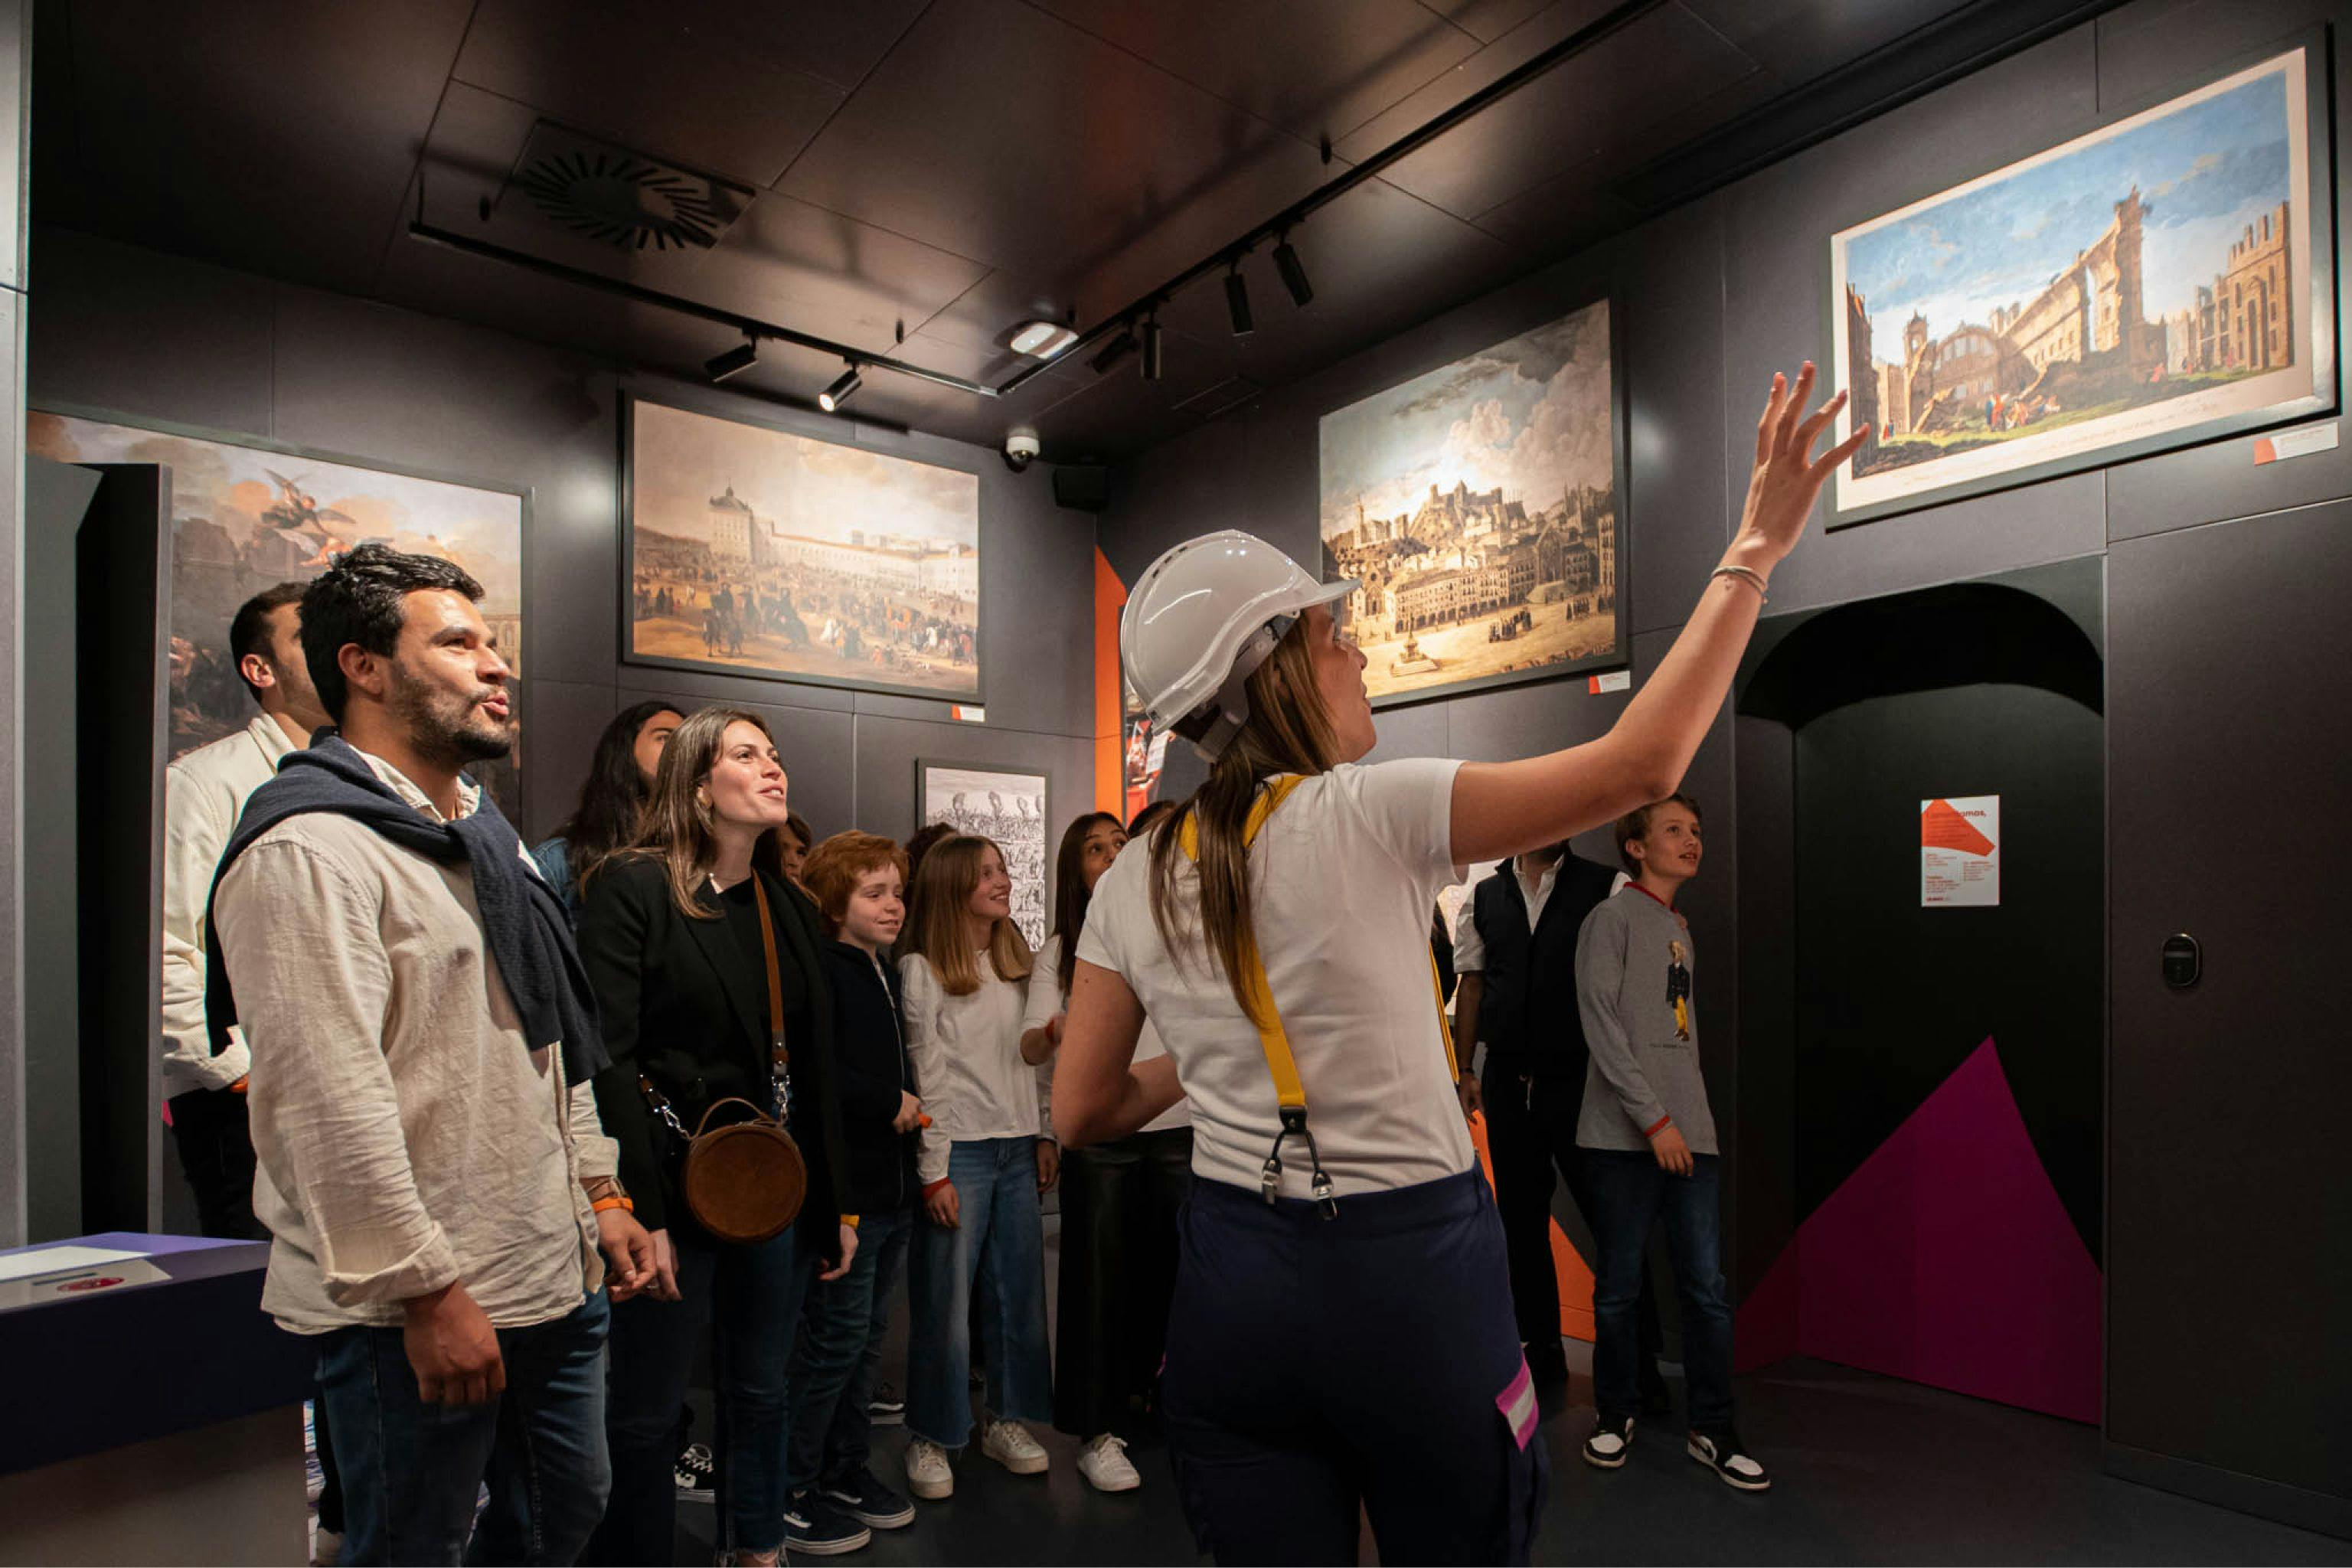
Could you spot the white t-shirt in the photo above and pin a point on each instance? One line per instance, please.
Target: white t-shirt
(1045, 999)
(1342, 880)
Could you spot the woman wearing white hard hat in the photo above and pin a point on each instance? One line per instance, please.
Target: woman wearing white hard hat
(1342, 1333)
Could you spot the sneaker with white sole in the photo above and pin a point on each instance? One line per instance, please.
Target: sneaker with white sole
(693, 1470)
(1009, 1445)
(1104, 1462)
(815, 1527)
(1609, 1443)
(870, 1501)
(928, 1474)
(1723, 1453)
(888, 1408)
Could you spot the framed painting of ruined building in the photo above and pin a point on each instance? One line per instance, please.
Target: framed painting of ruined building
(249, 513)
(756, 551)
(2163, 280)
(1481, 506)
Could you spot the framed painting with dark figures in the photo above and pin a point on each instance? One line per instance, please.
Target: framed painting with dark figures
(1009, 807)
(1481, 506)
(759, 552)
(249, 513)
(2162, 280)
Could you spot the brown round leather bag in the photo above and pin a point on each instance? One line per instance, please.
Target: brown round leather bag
(745, 1181)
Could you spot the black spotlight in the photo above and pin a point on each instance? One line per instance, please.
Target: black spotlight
(1153, 363)
(734, 362)
(1117, 348)
(844, 388)
(1238, 302)
(1294, 276)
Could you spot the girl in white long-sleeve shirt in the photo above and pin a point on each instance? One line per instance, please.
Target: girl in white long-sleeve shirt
(982, 1169)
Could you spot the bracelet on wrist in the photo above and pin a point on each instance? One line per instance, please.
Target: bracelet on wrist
(616, 1202)
(1747, 575)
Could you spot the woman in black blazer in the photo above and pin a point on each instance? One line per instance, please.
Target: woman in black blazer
(670, 934)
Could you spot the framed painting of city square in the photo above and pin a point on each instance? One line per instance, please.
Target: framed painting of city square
(249, 513)
(758, 551)
(1480, 506)
(2163, 280)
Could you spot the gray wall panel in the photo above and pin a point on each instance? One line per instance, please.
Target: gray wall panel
(563, 719)
(1682, 505)
(150, 335)
(888, 750)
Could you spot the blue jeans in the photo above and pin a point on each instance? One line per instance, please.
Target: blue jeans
(1630, 1193)
(840, 1347)
(1000, 1241)
(749, 1298)
(411, 1470)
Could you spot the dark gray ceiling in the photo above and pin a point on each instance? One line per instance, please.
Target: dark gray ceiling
(949, 168)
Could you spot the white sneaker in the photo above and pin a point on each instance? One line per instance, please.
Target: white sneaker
(928, 1471)
(1009, 1445)
(1104, 1462)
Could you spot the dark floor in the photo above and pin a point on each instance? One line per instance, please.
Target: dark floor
(1867, 1470)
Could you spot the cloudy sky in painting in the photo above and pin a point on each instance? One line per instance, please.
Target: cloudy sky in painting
(1530, 415)
(819, 490)
(2206, 170)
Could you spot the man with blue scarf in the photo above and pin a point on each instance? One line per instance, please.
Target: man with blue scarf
(445, 1218)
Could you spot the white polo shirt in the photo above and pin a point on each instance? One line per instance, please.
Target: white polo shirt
(1342, 881)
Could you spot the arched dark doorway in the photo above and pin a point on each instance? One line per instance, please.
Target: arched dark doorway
(1927, 1079)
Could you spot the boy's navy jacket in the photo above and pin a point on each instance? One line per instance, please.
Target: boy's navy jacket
(870, 1054)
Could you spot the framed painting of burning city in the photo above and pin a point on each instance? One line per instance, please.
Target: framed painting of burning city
(249, 513)
(758, 551)
(2161, 282)
(1481, 506)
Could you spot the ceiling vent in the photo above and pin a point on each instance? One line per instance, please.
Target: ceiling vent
(620, 198)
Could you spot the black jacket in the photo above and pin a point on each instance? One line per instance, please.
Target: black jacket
(870, 1042)
(685, 1004)
(1528, 1016)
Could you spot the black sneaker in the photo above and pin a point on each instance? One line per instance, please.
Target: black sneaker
(886, 1408)
(870, 1502)
(693, 1469)
(1723, 1453)
(1610, 1442)
(818, 1528)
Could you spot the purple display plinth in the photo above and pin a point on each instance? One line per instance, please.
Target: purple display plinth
(132, 1241)
(1946, 1258)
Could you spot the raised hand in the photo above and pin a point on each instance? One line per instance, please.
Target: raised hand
(1788, 478)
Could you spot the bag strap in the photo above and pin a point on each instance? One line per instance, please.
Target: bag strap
(776, 974)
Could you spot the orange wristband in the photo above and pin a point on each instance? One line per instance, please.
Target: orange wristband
(601, 1204)
(1653, 1128)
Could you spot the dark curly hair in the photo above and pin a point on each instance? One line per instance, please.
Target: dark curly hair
(358, 600)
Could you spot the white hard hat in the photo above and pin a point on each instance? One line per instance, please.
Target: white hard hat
(1201, 620)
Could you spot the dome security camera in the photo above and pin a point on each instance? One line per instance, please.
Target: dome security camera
(1021, 448)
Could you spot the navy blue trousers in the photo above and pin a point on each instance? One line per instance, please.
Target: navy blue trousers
(1316, 1365)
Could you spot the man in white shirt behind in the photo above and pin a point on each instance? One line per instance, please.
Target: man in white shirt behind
(203, 792)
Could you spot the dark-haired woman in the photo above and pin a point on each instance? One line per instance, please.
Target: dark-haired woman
(1119, 1200)
(677, 932)
(620, 776)
(1342, 1334)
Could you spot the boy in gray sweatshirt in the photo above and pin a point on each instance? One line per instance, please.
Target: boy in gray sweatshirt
(1649, 1141)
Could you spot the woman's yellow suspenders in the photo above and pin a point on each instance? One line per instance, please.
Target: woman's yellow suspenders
(1290, 1094)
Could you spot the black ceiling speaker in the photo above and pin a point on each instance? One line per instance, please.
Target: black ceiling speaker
(1082, 487)
(623, 198)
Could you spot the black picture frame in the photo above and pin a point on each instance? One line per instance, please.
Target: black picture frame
(1620, 654)
(1045, 844)
(2317, 295)
(624, 598)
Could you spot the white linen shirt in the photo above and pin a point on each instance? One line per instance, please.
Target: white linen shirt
(405, 1136)
(1046, 1000)
(966, 1052)
(1342, 880)
(203, 794)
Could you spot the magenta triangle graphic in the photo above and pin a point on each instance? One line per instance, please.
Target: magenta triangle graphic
(1945, 1258)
